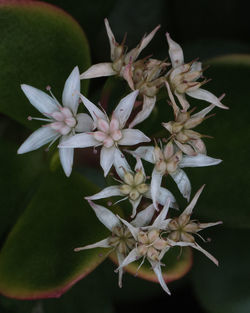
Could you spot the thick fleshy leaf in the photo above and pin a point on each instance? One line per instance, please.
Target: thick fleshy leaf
(37, 259)
(227, 285)
(224, 183)
(71, 90)
(19, 178)
(176, 265)
(52, 38)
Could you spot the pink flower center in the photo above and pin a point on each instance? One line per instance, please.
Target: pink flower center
(64, 121)
(108, 132)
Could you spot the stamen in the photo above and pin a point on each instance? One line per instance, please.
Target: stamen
(48, 88)
(140, 265)
(30, 118)
(123, 199)
(59, 135)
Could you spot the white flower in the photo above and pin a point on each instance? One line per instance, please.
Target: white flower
(149, 245)
(169, 161)
(121, 240)
(184, 137)
(133, 186)
(181, 229)
(110, 133)
(119, 57)
(183, 78)
(63, 119)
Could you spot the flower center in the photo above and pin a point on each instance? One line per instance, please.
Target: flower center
(108, 132)
(134, 185)
(122, 239)
(64, 121)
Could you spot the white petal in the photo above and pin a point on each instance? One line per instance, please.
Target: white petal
(107, 158)
(195, 246)
(131, 257)
(198, 146)
(198, 160)
(132, 137)
(144, 217)
(158, 273)
(203, 112)
(71, 91)
(124, 108)
(155, 186)
(112, 40)
(37, 139)
(145, 153)
(66, 157)
(121, 164)
(135, 204)
(100, 244)
(134, 230)
(205, 95)
(139, 166)
(175, 52)
(105, 216)
(182, 182)
(183, 101)
(162, 216)
(84, 123)
(196, 67)
(94, 111)
(134, 53)
(148, 105)
(189, 208)
(173, 103)
(40, 100)
(162, 196)
(80, 141)
(98, 70)
(120, 258)
(106, 192)
(187, 149)
(206, 225)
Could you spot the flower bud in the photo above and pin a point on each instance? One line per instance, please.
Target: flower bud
(134, 194)
(128, 178)
(142, 188)
(125, 189)
(139, 178)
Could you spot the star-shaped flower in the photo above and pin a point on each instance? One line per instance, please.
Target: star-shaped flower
(184, 137)
(110, 133)
(133, 187)
(181, 229)
(119, 56)
(63, 120)
(149, 244)
(183, 78)
(170, 161)
(121, 240)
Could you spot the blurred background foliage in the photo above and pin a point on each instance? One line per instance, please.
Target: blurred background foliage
(40, 44)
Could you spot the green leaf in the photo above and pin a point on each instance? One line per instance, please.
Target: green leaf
(40, 45)
(20, 176)
(177, 265)
(37, 259)
(225, 289)
(224, 197)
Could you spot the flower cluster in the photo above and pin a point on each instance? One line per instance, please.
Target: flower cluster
(149, 233)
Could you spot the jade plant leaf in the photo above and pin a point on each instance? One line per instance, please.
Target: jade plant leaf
(225, 197)
(225, 289)
(37, 259)
(40, 45)
(20, 176)
(177, 265)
